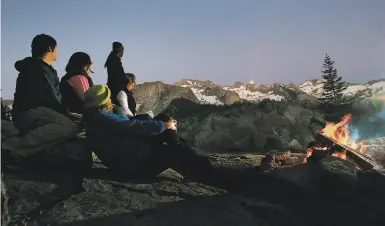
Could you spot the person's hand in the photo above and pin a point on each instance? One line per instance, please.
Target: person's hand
(171, 124)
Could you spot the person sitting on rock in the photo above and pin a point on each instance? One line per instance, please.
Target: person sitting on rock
(76, 82)
(115, 70)
(137, 147)
(38, 113)
(125, 98)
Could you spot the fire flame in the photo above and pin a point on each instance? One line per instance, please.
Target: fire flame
(340, 133)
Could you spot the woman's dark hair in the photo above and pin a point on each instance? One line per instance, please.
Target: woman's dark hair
(42, 44)
(108, 58)
(78, 61)
(128, 78)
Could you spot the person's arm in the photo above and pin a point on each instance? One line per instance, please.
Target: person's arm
(138, 127)
(49, 96)
(123, 103)
(80, 84)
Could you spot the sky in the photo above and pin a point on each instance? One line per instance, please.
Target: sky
(225, 41)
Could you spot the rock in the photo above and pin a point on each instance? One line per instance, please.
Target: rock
(7, 129)
(4, 205)
(238, 85)
(290, 161)
(73, 152)
(156, 96)
(102, 199)
(337, 176)
(48, 198)
(294, 144)
(372, 183)
(244, 126)
(270, 162)
(225, 96)
(214, 91)
(198, 84)
(170, 174)
(230, 97)
(330, 175)
(298, 189)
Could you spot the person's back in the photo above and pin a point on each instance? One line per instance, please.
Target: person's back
(115, 70)
(37, 84)
(76, 82)
(38, 113)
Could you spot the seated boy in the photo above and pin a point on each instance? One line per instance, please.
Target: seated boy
(138, 148)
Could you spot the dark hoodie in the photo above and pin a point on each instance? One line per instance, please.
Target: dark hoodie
(36, 86)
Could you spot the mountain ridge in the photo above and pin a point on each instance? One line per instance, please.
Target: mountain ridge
(207, 92)
(252, 91)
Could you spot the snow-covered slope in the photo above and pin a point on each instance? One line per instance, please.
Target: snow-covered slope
(358, 92)
(204, 99)
(198, 87)
(309, 90)
(256, 95)
(247, 92)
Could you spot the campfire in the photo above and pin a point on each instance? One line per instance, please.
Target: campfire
(340, 133)
(336, 139)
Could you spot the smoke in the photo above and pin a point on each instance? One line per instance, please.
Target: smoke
(354, 134)
(369, 121)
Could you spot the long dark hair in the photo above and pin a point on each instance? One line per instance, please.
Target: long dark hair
(112, 53)
(78, 61)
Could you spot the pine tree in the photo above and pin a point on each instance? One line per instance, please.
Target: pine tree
(333, 84)
(5, 111)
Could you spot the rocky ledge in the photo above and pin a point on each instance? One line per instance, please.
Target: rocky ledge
(244, 192)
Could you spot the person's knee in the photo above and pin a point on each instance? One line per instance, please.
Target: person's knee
(68, 127)
(147, 117)
(162, 117)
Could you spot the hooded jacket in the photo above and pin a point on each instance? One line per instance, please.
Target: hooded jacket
(37, 85)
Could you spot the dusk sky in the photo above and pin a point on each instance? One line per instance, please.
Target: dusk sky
(219, 40)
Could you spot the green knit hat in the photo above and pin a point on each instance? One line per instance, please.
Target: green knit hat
(96, 96)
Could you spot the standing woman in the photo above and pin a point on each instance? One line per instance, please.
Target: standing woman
(115, 69)
(76, 82)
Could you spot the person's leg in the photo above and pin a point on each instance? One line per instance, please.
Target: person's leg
(162, 117)
(39, 128)
(142, 117)
(179, 157)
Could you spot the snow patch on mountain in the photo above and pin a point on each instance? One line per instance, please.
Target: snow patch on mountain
(203, 99)
(375, 88)
(255, 95)
(312, 87)
(357, 91)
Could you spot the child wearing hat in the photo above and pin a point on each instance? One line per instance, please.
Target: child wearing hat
(137, 147)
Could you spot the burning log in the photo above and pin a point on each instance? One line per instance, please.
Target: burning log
(364, 162)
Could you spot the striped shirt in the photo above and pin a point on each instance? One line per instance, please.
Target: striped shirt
(80, 84)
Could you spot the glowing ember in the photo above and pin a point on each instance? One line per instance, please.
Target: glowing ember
(340, 133)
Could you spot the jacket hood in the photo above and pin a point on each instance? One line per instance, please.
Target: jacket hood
(27, 64)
